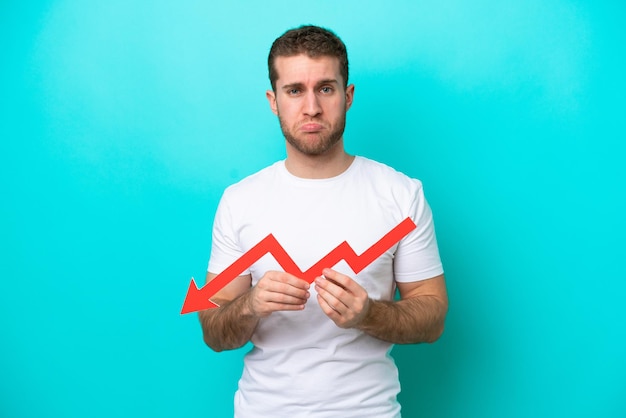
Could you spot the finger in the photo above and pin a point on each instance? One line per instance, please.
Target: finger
(268, 290)
(341, 280)
(278, 289)
(327, 308)
(285, 298)
(264, 302)
(335, 283)
(333, 295)
(266, 309)
(273, 307)
(277, 282)
(290, 279)
(329, 286)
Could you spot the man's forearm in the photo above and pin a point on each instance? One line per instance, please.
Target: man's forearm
(230, 326)
(408, 321)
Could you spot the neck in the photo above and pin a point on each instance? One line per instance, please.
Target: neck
(330, 164)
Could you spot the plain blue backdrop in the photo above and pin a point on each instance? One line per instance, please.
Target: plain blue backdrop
(121, 122)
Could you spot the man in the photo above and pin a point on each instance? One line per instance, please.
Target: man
(322, 350)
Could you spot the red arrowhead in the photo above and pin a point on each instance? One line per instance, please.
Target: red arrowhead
(196, 299)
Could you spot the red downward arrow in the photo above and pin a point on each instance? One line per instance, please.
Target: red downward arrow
(198, 298)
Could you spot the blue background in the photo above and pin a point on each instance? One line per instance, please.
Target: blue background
(121, 122)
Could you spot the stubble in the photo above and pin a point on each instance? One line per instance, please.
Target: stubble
(322, 142)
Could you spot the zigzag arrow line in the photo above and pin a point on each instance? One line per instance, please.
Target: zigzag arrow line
(197, 299)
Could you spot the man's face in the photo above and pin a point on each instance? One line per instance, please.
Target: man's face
(310, 102)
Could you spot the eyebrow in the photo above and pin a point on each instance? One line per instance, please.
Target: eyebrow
(300, 85)
(329, 81)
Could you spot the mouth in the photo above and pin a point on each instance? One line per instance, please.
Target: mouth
(311, 127)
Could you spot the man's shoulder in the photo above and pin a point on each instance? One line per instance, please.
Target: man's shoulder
(381, 172)
(256, 181)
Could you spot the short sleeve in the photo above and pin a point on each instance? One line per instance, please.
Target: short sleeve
(417, 256)
(225, 248)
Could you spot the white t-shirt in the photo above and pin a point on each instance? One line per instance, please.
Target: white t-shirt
(302, 364)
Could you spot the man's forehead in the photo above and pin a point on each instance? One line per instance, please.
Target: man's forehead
(301, 68)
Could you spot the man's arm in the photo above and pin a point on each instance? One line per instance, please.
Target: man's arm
(230, 325)
(241, 307)
(418, 317)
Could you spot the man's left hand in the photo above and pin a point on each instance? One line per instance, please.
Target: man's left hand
(341, 298)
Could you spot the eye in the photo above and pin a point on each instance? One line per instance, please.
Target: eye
(293, 92)
(326, 89)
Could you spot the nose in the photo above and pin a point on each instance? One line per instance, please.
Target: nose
(312, 105)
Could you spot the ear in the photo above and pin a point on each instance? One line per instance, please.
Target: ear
(271, 98)
(349, 96)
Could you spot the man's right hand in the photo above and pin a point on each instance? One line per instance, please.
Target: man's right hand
(277, 291)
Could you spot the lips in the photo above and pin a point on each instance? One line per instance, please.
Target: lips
(312, 127)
